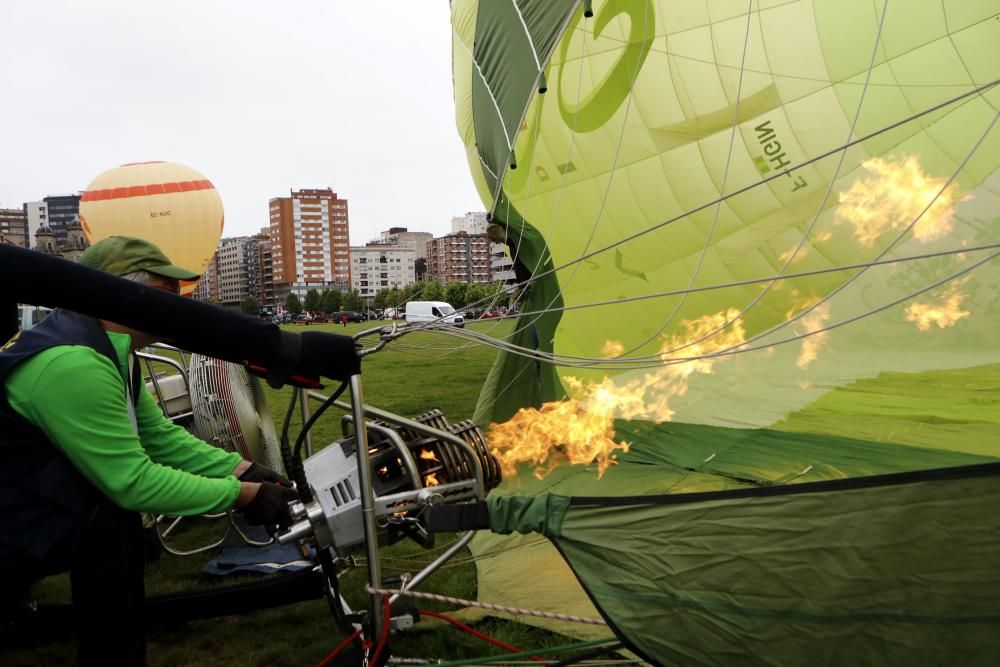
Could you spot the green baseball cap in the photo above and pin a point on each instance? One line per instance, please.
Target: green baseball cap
(119, 255)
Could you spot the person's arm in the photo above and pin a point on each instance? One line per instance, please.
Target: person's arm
(76, 397)
(171, 445)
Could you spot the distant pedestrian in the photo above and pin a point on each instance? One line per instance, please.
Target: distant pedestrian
(343, 319)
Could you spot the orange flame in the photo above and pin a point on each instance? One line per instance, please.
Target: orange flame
(581, 429)
(814, 241)
(431, 480)
(428, 455)
(612, 349)
(892, 197)
(817, 317)
(945, 314)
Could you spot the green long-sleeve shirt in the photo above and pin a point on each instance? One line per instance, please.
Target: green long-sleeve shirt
(77, 397)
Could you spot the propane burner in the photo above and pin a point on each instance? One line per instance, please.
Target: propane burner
(414, 464)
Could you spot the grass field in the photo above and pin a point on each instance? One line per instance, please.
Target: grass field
(410, 376)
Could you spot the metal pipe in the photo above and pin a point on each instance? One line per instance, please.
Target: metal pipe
(367, 493)
(437, 562)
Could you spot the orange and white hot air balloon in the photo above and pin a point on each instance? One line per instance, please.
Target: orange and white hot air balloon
(173, 206)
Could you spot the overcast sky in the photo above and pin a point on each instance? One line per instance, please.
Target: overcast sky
(261, 97)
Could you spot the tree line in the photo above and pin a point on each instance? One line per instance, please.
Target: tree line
(458, 294)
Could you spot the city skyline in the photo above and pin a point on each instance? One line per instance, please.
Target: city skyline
(261, 99)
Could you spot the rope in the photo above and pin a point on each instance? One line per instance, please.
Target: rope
(485, 605)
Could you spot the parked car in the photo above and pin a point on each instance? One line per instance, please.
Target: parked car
(352, 316)
(433, 311)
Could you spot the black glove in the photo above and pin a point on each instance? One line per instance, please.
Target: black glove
(270, 506)
(258, 473)
(311, 354)
(331, 355)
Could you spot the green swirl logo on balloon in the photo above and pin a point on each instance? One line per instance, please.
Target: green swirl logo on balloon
(603, 102)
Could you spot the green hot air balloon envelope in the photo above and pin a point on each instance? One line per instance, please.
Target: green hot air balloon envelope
(762, 241)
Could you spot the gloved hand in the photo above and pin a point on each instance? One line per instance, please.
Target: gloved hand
(311, 354)
(270, 506)
(331, 355)
(258, 473)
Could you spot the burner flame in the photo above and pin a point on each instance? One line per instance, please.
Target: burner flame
(581, 430)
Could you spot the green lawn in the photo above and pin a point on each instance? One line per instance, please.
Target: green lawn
(412, 375)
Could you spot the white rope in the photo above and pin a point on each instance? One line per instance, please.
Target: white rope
(485, 605)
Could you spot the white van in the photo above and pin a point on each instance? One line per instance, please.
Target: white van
(432, 311)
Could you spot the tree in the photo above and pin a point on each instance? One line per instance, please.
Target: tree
(432, 292)
(352, 301)
(455, 293)
(476, 293)
(312, 300)
(381, 299)
(250, 306)
(292, 304)
(330, 301)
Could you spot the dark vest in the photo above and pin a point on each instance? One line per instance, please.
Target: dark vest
(42, 497)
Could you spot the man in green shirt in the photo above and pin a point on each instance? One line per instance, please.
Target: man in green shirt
(86, 448)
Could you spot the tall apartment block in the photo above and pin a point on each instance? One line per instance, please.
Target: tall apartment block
(459, 257)
(13, 226)
(310, 245)
(266, 294)
(235, 272)
(208, 285)
(501, 266)
(240, 268)
(376, 267)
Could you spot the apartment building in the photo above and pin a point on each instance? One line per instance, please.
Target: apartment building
(375, 267)
(13, 226)
(310, 245)
(459, 257)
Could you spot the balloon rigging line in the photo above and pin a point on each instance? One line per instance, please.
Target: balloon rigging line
(870, 135)
(494, 298)
(630, 363)
(527, 33)
(836, 325)
(603, 362)
(743, 190)
(607, 190)
(496, 194)
(889, 247)
(736, 349)
(828, 82)
(722, 188)
(754, 281)
(562, 180)
(488, 90)
(627, 105)
(918, 114)
(822, 204)
(967, 94)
